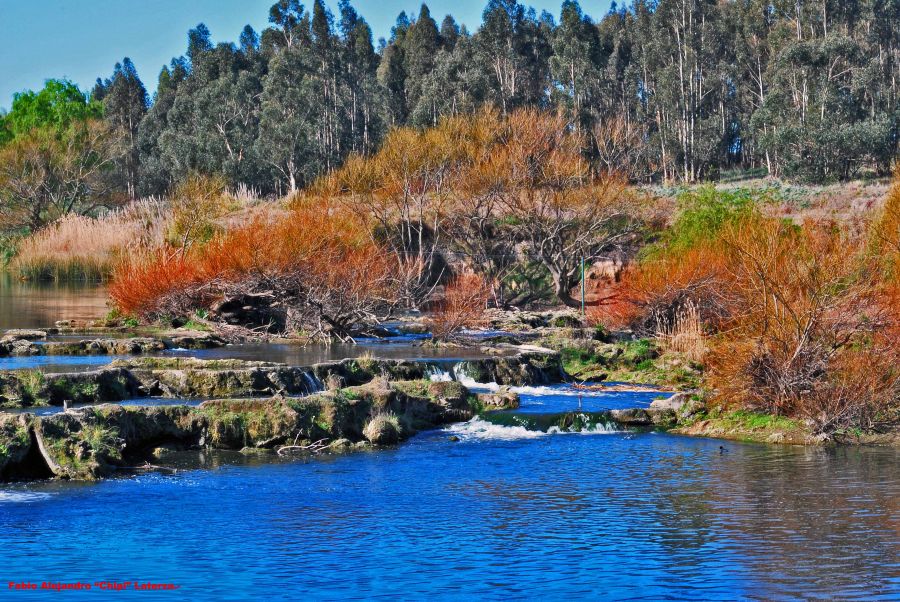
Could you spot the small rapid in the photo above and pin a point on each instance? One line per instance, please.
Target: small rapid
(545, 410)
(488, 428)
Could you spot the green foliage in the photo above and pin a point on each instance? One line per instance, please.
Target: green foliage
(9, 246)
(704, 211)
(31, 383)
(194, 325)
(102, 441)
(59, 104)
(628, 361)
(746, 422)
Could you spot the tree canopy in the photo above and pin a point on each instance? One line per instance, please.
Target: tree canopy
(668, 90)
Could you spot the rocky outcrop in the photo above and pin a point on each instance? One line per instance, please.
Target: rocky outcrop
(675, 402)
(23, 388)
(192, 378)
(92, 442)
(516, 320)
(20, 342)
(23, 334)
(129, 346)
(19, 348)
(531, 366)
(193, 340)
(501, 399)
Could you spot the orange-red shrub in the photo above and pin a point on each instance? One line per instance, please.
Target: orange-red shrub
(799, 319)
(659, 288)
(141, 281)
(463, 305)
(321, 270)
(806, 334)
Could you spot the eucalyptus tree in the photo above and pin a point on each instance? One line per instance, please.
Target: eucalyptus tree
(125, 103)
(577, 63)
(421, 45)
(457, 84)
(513, 47)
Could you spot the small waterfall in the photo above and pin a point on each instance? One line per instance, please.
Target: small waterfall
(312, 384)
(438, 373)
(586, 423)
(463, 377)
(442, 372)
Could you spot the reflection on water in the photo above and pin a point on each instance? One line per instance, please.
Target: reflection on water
(396, 348)
(51, 364)
(292, 355)
(41, 304)
(614, 516)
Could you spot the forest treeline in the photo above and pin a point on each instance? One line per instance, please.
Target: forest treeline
(660, 90)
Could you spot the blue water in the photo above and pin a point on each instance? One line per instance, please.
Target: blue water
(295, 355)
(566, 398)
(504, 513)
(58, 363)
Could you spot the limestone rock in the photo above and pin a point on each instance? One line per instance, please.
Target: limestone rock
(22, 334)
(673, 402)
(502, 399)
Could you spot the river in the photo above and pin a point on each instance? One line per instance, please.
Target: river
(502, 513)
(41, 304)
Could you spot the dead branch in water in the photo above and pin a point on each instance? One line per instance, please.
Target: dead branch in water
(315, 447)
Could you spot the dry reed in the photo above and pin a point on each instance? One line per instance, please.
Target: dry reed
(78, 247)
(683, 332)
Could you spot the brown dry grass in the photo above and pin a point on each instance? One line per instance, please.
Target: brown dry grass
(84, 248)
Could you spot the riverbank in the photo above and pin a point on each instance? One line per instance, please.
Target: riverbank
(588, 355)
(97, 441)
(181, 403)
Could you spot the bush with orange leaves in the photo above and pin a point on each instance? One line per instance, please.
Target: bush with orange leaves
(686, 268)
(886, 231)
(313, 271)
(498, 192)
(462, 306)
(799, 320)
(808, 331)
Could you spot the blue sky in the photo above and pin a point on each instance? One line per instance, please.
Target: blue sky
(83, 39)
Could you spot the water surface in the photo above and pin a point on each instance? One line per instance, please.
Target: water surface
(504, 513)
(40, 304)
(395, 348)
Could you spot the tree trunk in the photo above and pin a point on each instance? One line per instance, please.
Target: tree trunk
(562, 287)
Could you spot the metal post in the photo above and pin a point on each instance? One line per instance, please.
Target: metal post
(582, 286)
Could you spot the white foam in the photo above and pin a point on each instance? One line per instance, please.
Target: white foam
(23, 496)
(470, 383)
(438, 374)
(478, 428)
(567, 391)
(597, 429)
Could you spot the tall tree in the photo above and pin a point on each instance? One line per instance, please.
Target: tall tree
(125, 104)
(420, 47)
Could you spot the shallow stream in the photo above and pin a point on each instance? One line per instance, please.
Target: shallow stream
(505, 512)
(493, 509)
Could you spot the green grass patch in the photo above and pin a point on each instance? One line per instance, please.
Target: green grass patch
(752, 421)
